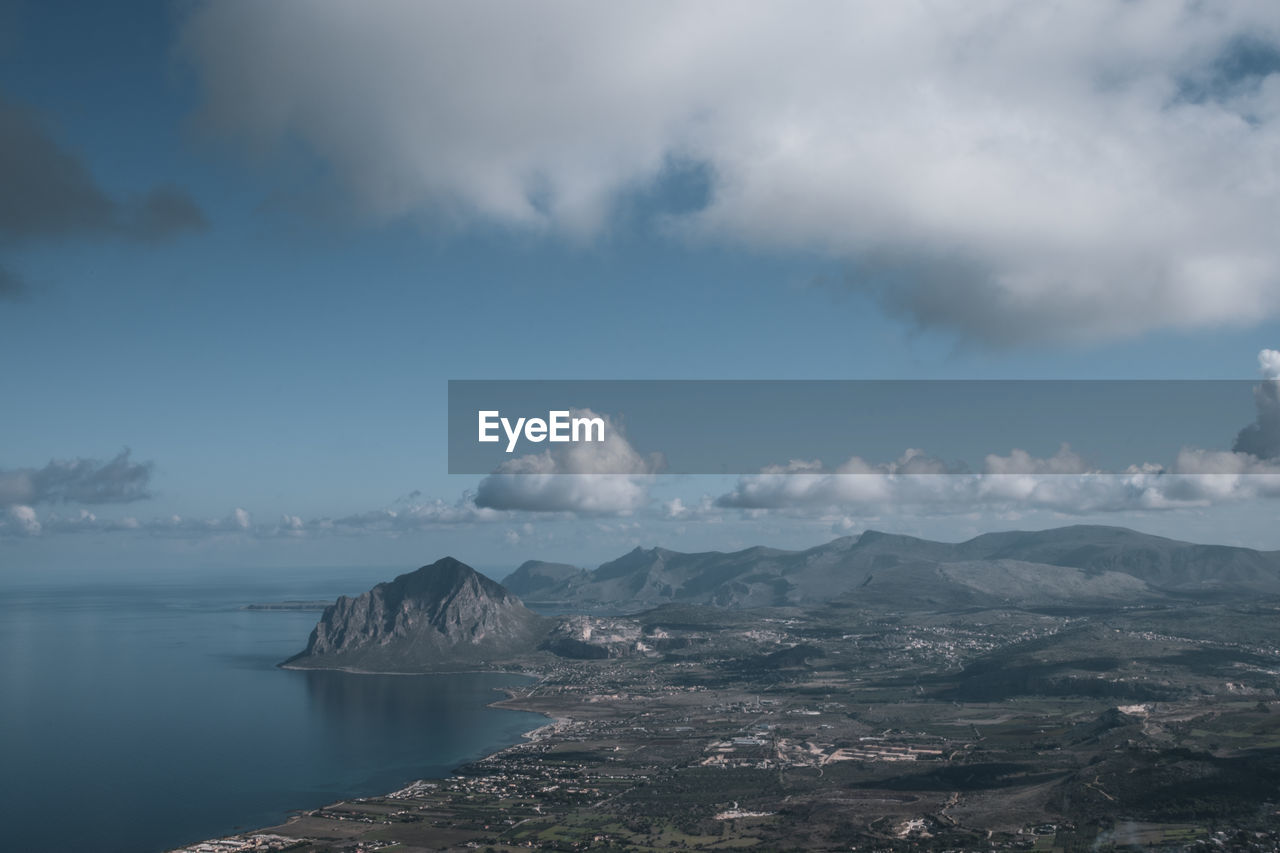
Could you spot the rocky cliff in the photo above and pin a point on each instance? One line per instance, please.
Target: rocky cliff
(440, 617)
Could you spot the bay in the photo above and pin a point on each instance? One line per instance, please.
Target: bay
(137, 716)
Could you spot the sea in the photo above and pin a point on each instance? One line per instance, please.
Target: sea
(141, 714)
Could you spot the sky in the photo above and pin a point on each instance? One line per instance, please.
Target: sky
(244, 247)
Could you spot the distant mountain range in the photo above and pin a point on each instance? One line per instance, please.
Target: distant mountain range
(1080, 564)
(447, 615)
(534, 578)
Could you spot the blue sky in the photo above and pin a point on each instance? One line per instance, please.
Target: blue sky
(365, 212)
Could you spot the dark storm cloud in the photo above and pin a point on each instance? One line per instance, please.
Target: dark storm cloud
(84, 481)
(50, 194)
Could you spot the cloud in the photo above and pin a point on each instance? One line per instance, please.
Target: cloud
(403, 517)
(567, 481)
(569, 478)
(703, 509)
(1064, 483)
(1269, 364)
(86, 481)
(1198, 479)
(50, 194)
(21, 520)
(24, 521)
(1019, 172)
(1262, 437)
(410, 516)
(1065, 461)
(588, 494)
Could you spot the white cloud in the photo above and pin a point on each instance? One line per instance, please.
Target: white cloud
(1061, 483)
(1017, 170)
(589, 478)
(31, 523)
(408, 516)
(1065, 461)
(20, 520)
(1064, 482)
(612, 478)
(1269, 364)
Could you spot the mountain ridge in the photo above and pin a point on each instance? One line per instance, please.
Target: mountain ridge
(448, 616)
(1084, 563)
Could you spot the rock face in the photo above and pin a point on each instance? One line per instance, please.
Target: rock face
(589, 638)
(442, 616)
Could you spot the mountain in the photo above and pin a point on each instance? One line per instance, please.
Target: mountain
(1165, 563)
(442, 616)
(1083, 565)
(448, 616)
(535, 578)
(655, 576)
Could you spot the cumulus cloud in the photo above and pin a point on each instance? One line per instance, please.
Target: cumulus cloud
(703, 509)
(1269, 364)
(50, 194)
(1063, 482)
(1019, 481)
(569, 477)
(1262, 437)
(21, 520)
(86, 481)
(1019, 462)
(1022, 171)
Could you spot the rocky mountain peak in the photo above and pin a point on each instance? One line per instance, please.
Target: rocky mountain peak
(443, 614)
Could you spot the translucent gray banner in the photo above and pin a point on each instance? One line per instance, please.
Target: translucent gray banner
(895, 426)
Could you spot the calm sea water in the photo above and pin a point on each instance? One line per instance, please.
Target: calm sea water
(138, 716)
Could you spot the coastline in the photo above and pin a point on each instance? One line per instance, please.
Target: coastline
(508, 702)
(351, 670)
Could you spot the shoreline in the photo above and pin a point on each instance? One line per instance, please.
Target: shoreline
(532, 735)
(350, 670)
